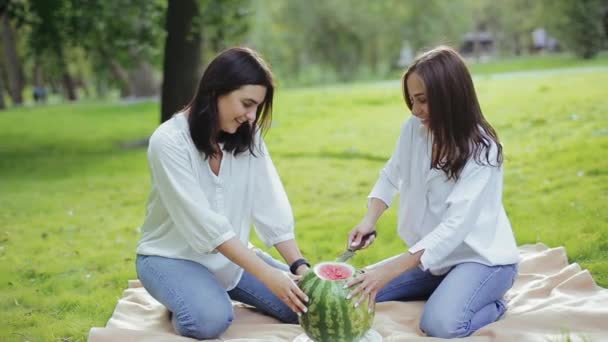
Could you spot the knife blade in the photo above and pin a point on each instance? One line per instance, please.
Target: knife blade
(350, 250)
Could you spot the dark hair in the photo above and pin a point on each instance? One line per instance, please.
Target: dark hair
(230, 70)
(455, 116)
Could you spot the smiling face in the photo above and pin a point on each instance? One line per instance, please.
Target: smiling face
(240, 107)
(417, 93)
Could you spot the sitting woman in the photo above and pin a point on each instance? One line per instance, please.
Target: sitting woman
(447, 168)
(212, 178)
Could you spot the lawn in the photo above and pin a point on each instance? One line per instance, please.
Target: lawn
(538, 62)
(72, 195)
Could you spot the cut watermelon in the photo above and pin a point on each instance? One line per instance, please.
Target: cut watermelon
(331, 317)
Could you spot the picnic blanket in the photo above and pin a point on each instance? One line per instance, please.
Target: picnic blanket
(551, 300)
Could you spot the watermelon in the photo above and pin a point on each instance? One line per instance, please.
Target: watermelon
(331, 317)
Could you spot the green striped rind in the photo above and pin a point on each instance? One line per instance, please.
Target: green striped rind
(331, 317)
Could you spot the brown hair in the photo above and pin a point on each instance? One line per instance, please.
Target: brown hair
(230, 70)
(455, 117)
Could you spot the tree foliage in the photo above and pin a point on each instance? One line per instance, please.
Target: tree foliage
(121, 44)
(344, 40)
(578, 24)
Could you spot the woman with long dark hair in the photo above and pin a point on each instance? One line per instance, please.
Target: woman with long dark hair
(212, 179)
(447, 168)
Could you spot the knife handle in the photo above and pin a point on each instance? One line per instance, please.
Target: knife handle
(363, 240)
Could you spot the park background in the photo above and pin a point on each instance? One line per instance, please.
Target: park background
(84, 83)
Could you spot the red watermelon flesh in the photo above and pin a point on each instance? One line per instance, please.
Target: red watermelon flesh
(334, 272)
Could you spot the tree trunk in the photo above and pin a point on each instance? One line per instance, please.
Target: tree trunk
(2, 104)
(143, 81)
(605, 20)
(122, 77)
(38, 73)
(15, 71)
(517, 44)
(69, 86)
(182, 63)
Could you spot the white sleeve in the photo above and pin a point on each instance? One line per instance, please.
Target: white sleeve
(183, 197)
(271, 212)
(388, 183)
(474, 201)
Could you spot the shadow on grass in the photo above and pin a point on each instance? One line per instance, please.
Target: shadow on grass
(59, 161)
(134, 144)
(345, 155)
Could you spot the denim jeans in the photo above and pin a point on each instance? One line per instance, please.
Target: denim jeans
(200, 306)
(460, 302)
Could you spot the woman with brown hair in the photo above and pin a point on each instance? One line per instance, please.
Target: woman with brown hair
(212, 179)
(447, 168)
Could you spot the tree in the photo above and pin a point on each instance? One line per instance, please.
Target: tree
(328, 40)
(2, 104)
(52, 29)
(517, 19)
(605, 18)
(226, 22)
(341, 40)
(14, 67)
(182, 64)
(125, 46)
(577, 24)
(431, 22)
(72, 37)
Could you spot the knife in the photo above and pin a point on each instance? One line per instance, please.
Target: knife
(350, 251)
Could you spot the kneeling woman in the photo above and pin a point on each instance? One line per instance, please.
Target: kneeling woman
(447, 168)
(212, 178)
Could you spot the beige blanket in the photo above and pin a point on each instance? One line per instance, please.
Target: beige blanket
(550, 301)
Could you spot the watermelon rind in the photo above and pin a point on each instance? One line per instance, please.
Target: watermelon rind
(331, 317)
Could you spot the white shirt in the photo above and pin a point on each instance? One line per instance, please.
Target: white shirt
(453, 221)
(191, 211)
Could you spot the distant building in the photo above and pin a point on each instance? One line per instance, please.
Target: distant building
(480, 44)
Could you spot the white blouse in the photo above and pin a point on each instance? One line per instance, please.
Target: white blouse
(191, 211)
(453, 221)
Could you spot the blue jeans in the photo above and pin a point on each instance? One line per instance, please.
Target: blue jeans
(200, 306)
(460, 302)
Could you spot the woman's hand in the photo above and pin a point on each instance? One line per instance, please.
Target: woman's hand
(375, 208)
(280, 283)
(368, 283)
(374, 278)
(355, 236)
(284, 286)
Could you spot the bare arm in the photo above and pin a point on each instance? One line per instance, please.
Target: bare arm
(238, 253)
(276, 280)
(375, 209)
(399, 264)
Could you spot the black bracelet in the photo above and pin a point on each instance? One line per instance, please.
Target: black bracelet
(296, 264)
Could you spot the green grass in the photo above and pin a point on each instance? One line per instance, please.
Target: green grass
(71, 198)
(536, 63)
(530, 64)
